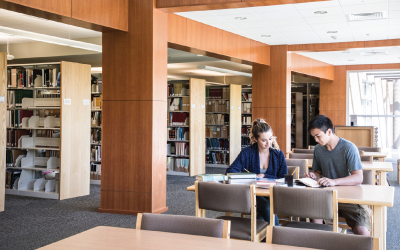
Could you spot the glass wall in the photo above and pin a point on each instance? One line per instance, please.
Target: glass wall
(371, 103)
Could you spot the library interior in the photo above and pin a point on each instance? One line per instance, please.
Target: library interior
(291, 105)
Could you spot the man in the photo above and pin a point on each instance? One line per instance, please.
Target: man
(337, 163)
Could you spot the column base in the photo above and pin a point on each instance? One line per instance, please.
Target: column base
(115, 211)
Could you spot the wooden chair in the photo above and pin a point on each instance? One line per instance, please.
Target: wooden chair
(366, 158)
(232, 199)
(303, 151)
(184, 225)
(370, 149)
(311, 147)
(301, 163)
(300, 156)
(304, 203)
(318, 239)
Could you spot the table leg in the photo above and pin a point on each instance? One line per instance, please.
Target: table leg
(374, 179)
(382, 178)
(379, 226)
(381, 159)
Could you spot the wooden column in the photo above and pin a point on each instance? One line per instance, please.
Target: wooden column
(3, 111)
(134, 113)
(271, 94)
(235, 122)
(333, 97)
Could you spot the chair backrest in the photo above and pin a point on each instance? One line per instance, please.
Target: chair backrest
(366, 158)
(304, 203)
(311, 147)
(300, 156)
(370, 149)
(301, 163)
(361, 152)
(291, 169)
(319, 239)
(224, 197)
(303, 151)
(183, 225)
(368, 178)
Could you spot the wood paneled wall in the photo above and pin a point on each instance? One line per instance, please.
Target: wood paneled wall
(75, 131)
(343, 46)
(135, 114)
(308, 66)
(198, 5)
(271, 94)
(3, 112)
(229, 46)
(90, 14)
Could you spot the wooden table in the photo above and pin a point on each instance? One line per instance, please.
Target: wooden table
(378, 197)
(380, 155)
(106, 238)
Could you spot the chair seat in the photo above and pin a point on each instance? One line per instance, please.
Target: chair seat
(241, 227)
(309, 225)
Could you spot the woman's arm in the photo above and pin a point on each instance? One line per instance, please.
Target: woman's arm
(237, 165)
(282, 165)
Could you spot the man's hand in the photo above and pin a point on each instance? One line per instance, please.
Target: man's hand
(260, 175)
(310, 175)
(327, 182)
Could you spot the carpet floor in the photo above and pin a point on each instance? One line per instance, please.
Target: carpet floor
(30, 223)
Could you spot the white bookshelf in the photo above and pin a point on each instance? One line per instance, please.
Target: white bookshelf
(95, 156)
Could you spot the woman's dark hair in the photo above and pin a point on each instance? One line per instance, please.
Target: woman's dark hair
(321, 122)
(260, 126)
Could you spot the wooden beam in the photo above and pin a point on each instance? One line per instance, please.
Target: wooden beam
(308, 66)
(199, 5)
(319, 47)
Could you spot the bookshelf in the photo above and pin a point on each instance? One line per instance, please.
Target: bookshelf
(3, 112)
(247, 117)
(186, 121)
(297, 119)
(222, 125)
(46, 155)
(95, 129)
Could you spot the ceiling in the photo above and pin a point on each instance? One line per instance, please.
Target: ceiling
(298, 23)
(24, 22)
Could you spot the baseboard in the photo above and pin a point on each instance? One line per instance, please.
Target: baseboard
(128, 212)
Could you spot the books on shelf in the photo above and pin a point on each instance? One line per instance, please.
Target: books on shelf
(96, 102)
(178, 119)
(217, 131)
(217, 106)
(217, 158)
(217, 144)
(211, 177)
(218, 93)
(245, 141)
(95, 171)
(96, 119)
(181, 148)
(15, 97)
(217, 119)
(178, 164)
(246, 120)
(178, 89)
(246, 108)
(178, 134)
(247, 97)
(27, 78)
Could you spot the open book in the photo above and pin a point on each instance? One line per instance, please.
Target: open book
(308, 182)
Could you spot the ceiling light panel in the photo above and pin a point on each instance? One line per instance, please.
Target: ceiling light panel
(365, 8)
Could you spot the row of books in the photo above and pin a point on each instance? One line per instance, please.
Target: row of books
(246, 108)
(217, 131)
(217, 158)
(97, 88)
(48, 94)
(14, 97)
(246, 120)
(178, 134)
(95, 153)
(217, 119)
(14, 117)
(217, 106)
(217, 144)
(178, 119)
(178, 164)
(14, 136)
(220, 93)
(245, 141)
(96, 102)
(247, 97)
(179, 104)
(95, 171)
(12, 177)
(178, 89)
(96, 118)
(13, 157)
(178, 148)
(27, 78)
(95, 135)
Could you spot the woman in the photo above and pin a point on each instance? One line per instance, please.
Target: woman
(264, 158)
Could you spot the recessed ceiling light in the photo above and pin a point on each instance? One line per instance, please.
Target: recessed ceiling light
(334, 37)
(240, 18)
(199, 55)
(320, 12)
(351, 60)
(366, 16)
(265, 35)
(333, 31)
(345, 52)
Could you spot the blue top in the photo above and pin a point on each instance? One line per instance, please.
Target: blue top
(249, 158)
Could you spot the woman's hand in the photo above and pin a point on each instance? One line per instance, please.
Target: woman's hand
(260, 175)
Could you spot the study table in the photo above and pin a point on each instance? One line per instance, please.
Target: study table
(106, 238)
(378, 197)
(380, 155)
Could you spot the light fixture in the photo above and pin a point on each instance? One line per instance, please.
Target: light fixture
(334, 37)
(320, 12)
(199, 55)
(50, 39)
(367, 16)
(226, 71)
(240, 18)
(265, 35)
(332, 31)
(96, 69)
(9, 57)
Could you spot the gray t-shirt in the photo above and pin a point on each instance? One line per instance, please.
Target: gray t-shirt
(339, 162)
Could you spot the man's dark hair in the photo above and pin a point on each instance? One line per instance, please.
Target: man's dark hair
(321, 122)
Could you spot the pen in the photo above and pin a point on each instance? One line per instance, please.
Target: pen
(246, 170)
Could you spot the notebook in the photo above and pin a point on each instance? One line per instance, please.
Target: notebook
(308, 182)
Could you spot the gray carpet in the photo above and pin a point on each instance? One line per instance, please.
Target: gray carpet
(30, 223)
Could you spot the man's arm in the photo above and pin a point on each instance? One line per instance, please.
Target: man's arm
(316, 175)
(355, 178)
